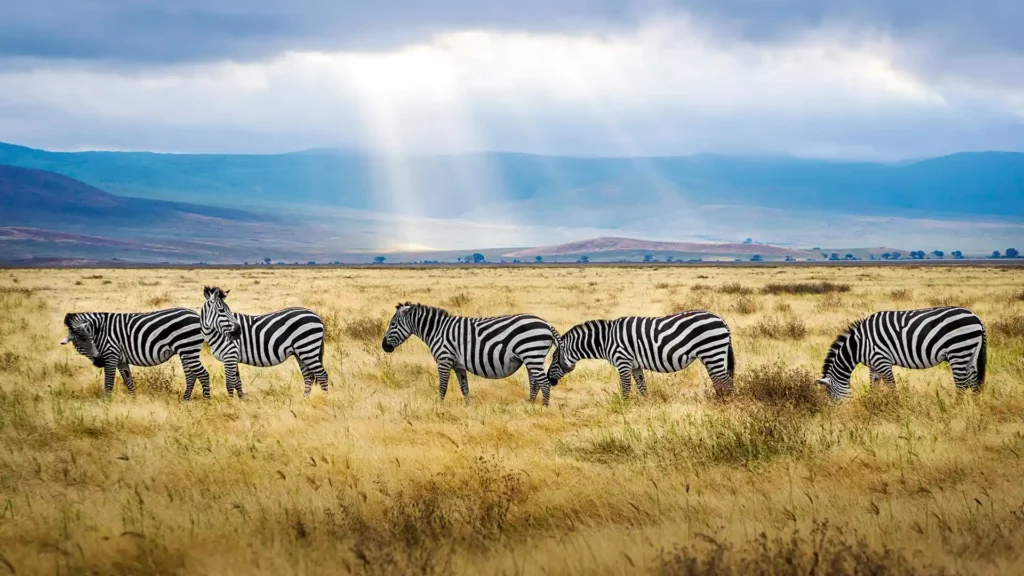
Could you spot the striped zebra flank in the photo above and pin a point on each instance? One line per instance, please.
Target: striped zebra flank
(493, 347)
(263, 340)
(117, 341)
(908, 339)
(664, 344)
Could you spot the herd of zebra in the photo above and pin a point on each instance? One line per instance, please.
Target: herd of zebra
(496, 347)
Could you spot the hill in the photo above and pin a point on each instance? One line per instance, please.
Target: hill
(989, 183)
(612, 248)
(30, 197)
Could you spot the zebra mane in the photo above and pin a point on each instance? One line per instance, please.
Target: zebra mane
(426, 307)
(585, 325)
(838, 344)
(215, 290)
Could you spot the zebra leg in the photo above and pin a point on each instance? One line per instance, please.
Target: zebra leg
(307, 380)
(641, 386)
(460, 373)
(126, 375)
(193, 369)
(963, 376)
(233, 379)
(625, 373)
(534, 389)
(321, 377)
(109, 372)
(444, 371)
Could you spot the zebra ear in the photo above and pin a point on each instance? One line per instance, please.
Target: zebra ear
(206, 291)
(224, 293)
(67, 319)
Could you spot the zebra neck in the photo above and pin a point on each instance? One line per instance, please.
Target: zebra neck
(427, 326)
(593, 343)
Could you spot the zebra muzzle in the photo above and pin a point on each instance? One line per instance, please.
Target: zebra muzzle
(64, 341)
(387, 347)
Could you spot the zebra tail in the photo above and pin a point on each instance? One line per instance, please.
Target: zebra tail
(731, 362)
(982, 359)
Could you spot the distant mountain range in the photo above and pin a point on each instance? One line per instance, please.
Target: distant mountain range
(327, 205)
(984, 183)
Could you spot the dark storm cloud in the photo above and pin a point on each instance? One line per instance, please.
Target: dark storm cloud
(152, 31)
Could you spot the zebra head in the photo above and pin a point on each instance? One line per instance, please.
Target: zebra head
(217, 316)
(567, 351)
(82, 334)
(400, 327)
(841, 360)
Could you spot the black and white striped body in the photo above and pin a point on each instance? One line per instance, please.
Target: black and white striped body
(488, 347)
(117, 341)
(665, 344)
(909, 339)
(263, 340)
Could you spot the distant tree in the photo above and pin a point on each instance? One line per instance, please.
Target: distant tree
(379, 260)
(584, 260)
(1012, 253)
(957, 254)
(478, 257)
(648, 257)
(748, 241)
(995, 254)
(849, 257)
(668, 258)
(790, 259)
(756, 258)
(917, 255)
(311, 263)
(833, 256)
(886, 255)
(896, 255)
(267, 260)
(515, 261)
(538, 259)
(816, 248)
(938, 253)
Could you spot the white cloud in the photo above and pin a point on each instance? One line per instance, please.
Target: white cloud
(668, 87)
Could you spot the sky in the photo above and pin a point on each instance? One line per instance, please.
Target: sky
(873, 79)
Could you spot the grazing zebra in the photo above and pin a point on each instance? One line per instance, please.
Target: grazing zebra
(487, 347)
(263, 340)
(116, 341)
(666, 344)
(909, 339)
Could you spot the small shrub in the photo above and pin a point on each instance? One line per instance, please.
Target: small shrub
(778, 385)
(158, 380)
(759, 434)
(158, 300)
(951, 300)
(457, 301)
(825, 552)
(789, 329)
(746, 305)
(735, 288)
(1018, 296)
(9, 361)
(883, 401)
(93, 277)
(366, 330)
(901, 294)
(804, 288)
(831, 301)
(783, 307)
(698, 287)
(1010, 327)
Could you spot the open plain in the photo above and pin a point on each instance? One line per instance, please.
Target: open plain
(377, 476)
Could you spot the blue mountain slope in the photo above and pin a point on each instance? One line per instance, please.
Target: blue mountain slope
(989, 183)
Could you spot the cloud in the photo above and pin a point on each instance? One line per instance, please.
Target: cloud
(672, 86)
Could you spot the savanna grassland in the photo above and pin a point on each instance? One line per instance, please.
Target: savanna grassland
(377, 476)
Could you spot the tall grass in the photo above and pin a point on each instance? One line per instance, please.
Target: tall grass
(379, 477)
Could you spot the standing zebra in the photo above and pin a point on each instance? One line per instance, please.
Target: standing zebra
(116, 341)
(263, 340)
(909, 339)
(666, 344)
(488, 347)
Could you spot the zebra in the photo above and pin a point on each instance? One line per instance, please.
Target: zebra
(909, 339)
(117, 341)
(488, 347)
(662, 344)
(263, 340)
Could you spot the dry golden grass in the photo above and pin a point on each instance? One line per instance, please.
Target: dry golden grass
(378, 477)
